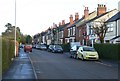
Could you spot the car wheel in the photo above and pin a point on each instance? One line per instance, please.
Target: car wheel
(76, 56)
(53, 51)
(48, 50)
(82, 58)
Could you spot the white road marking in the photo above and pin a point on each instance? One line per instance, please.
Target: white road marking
(104, 64)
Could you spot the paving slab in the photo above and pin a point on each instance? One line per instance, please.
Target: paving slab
(21, 68)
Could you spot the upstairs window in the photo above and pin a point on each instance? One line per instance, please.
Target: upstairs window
(73, 31)
(68, 32)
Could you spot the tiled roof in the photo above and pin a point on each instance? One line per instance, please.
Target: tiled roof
(82, 23)
(91, 16)
(115, 17)
(43, 33)
(81, 20)
(63, 26)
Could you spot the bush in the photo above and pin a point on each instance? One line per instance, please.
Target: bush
(7, 53)
(108, 51)
(66, 47)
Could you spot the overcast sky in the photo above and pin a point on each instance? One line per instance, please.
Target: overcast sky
(34, 16)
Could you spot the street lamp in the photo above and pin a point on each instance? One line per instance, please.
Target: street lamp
(15, 27)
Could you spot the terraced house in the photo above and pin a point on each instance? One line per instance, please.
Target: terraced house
(113, 34)
(61, 32)
(97, 21)
(71, 29)
(81, 29)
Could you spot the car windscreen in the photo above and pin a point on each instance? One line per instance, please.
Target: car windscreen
(43, 45)
(57, 46)
(29, 45)
(88, 49)
(38, 45)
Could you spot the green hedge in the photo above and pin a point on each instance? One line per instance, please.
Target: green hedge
(108, 51)
(66, 47)
(7, 53)
(0, 58)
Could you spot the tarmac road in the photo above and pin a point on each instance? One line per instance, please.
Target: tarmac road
(49, 65)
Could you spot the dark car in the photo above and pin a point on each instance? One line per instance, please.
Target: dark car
(50, 48)
(55, 48)
(37, 46)
(28, 48)
(43, 47)
(22, 46)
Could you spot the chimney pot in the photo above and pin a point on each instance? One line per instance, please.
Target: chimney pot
(63, 22)
(59, 23)
(101, 9)
(86, 12)
(71, 20)
(71, 15)
(76, 16)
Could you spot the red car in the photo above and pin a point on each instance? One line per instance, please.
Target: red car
(28, 48)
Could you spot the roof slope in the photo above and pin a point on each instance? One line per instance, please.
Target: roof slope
(91, 16)
(105, 16)
(115, 17)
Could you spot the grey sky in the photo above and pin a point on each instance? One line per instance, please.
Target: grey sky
(34, 16)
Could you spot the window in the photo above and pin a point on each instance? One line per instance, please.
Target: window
(110, 27)
(73, 30)
(79, 33)
(62, 34)
(68, 32)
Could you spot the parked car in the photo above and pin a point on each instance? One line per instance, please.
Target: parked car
(22, 46)
(73, 51)
(37, 46)
(43, 47)
(28, 48)
(50, 48)
(34, 45)
(87, 53)
(55, 48)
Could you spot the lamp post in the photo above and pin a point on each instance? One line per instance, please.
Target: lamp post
(15, 27)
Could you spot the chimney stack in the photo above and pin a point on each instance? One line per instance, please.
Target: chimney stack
(76, 16)
(101, 9)
(71, 20)
(59, 23)
(63, 22)
(86, 13)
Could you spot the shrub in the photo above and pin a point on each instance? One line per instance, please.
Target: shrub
(108, 51)
(7, 53)
(66, 47)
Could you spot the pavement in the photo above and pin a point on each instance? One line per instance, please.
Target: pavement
(21, 68)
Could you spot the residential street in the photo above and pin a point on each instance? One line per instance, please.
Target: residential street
(49, 65)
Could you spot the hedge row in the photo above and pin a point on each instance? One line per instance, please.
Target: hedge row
(0, 58)
(66, 47)
(108, 51)
(105, 51)
(8, 47)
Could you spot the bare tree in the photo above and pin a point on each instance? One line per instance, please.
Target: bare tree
(100, 28)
